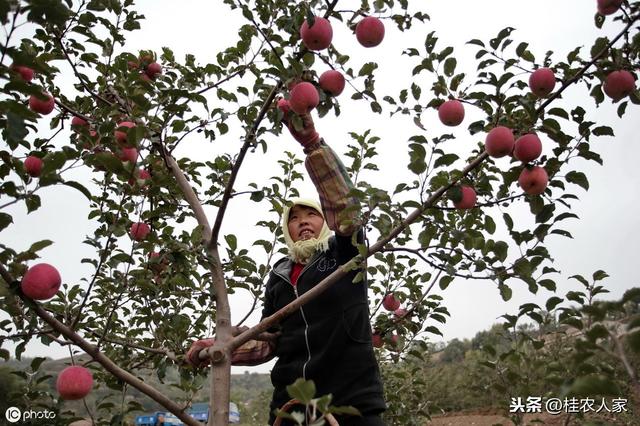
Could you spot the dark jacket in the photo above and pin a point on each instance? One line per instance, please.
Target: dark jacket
(329, 339)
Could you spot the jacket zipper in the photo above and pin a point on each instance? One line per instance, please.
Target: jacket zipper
(304, 318)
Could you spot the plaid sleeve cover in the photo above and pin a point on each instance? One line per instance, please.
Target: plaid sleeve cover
(330, 178)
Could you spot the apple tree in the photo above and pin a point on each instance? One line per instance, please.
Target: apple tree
(84, 112)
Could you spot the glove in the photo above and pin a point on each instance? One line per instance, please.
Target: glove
(192, 354)
(308, 137)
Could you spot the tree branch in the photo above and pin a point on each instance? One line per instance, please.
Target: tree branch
(101, 358)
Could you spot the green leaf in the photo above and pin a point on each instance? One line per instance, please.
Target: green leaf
(489, 224)
(603, 131)
(15, 128)
(302, 390)
(445, 160)
(552, 302)
(367, 69)
(445, 281)
(36, 362)
(501, 249)
(600, 275)
(505, 292)
(5, 220)
(581, 279)
(39, 245)
(48, 12)
(232, 241)
(548, 284)
(415, 91)
(53, 161)
(433, 330)
(417, 155)
(450, 66)
(578, 178)
(79, 187)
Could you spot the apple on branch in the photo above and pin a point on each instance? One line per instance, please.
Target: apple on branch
(42, 104)
(619, 84)
(370, 31)
(121, 132)
(33, 165)
(390, 303)
(608, 7)
(527, 148)
(153, 70)
(451, 112)
(25, 73)
(463, 197)
(74, 382)
(332, 81)
(317, 36)
(128, 154)
(533, 180)
(78, 122)
(499, 142)
(304, 98)
(41, 282)
(542, 82)
(376, 339)
(139, 231)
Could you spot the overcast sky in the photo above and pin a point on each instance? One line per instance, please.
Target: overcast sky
(605, 237)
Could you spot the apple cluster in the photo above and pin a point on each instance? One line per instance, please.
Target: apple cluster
(500, 140)
(316, 34)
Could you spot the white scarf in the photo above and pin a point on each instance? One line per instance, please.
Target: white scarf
(302, 250)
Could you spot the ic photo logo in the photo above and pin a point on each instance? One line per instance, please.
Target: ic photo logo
(13, 414)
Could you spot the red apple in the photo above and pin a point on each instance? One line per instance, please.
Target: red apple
(26, 73)
(370, 31)
(284, 106)
(467, 198)
(92, 141)
(41, 282)
(139, 231)
(376, 340)
(533, 180)
(157, 262)
(619, 84)
(393, 341)
(153, 70)
(451, 112)
(132, 65)
(42, 106)
(78, 122)
(33, 165)
(304, 98)
(140, 175)
(332, 81)
(74, 382)
(608, 7)
(318, 36)
(121, 135)
(527, 148)
(499, 142)
(390, 303)
(542, 81)
(128, 154)
(400, 313)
